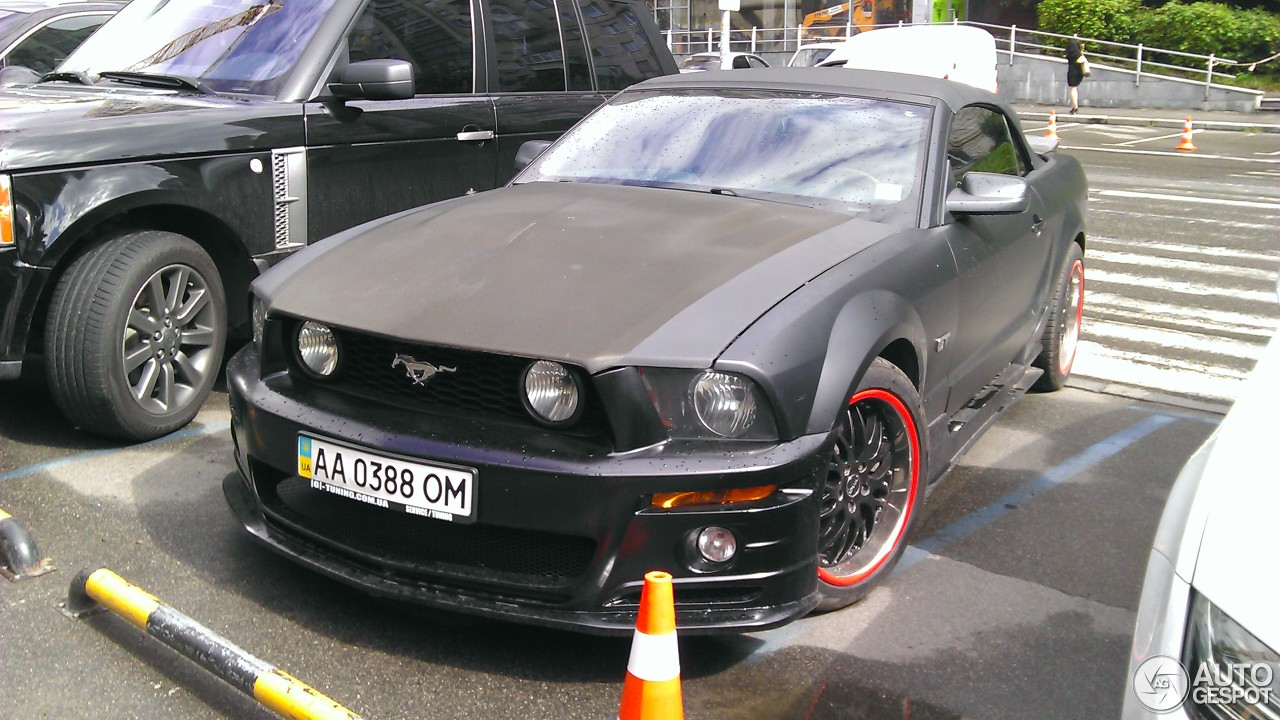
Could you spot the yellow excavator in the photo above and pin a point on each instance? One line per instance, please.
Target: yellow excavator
(832, 21)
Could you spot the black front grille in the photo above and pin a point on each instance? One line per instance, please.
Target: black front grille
(473, 384)
(507, 561)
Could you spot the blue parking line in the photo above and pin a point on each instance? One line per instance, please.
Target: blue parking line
(190, 432)
(1049, 479)
(776, 639)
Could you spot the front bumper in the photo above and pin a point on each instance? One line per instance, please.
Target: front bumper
(564, 532)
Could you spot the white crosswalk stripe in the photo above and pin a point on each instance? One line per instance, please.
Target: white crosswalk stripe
(1174, 309)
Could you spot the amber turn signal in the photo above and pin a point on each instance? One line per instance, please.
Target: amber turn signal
(667, 501)
(6, 212)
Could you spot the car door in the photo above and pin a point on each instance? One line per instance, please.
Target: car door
(380, 157)
(1001, 258)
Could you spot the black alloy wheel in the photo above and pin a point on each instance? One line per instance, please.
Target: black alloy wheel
(871, 492)
(1061, 339)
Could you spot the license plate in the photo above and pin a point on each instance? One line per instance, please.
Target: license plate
(442, 492)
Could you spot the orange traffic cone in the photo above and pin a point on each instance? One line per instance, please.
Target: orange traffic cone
(652, 690)
(1186, 143)
(1052, 132)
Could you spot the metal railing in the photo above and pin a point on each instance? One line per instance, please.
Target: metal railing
(1139, 58)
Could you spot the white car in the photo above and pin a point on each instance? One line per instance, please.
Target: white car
(711, 61)
(962, 53)
(1208, 627)
(813, 54)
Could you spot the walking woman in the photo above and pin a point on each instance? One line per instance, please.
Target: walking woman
(1075, 72)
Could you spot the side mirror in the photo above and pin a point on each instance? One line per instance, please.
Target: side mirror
(375, 80)
(988, 194)
(529, 151)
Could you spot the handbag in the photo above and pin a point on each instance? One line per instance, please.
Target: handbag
(1085, 70)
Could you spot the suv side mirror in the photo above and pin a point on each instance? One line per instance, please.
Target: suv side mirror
(375, 80)
(988, 194)
(529, 151)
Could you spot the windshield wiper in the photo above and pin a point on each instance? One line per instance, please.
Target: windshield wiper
(175, 82)
(77, 77)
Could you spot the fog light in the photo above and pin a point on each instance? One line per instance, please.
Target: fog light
(317, 348)
(551, 392)
(717, 544)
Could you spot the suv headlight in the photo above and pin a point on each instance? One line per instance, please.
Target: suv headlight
(6, 212)
(1233, 675)
(707, 404)
(258, 318)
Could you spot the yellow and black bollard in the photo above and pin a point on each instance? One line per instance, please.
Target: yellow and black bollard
(19, 556)
(93, 590)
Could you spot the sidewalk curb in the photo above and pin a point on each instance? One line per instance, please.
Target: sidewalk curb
(1214, 406)
(1176, 123)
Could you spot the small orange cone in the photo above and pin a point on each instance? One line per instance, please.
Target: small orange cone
(652, 690)
(1186, 143)
(1052, 132)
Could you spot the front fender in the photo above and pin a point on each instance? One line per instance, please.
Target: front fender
(63, 207)
(809, 351)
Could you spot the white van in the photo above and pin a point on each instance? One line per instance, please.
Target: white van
(953, 52)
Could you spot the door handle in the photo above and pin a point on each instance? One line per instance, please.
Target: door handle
(475, 135)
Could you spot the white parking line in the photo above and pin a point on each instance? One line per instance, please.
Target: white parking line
(1171, 153)
(1150, 139)
(1190, 199)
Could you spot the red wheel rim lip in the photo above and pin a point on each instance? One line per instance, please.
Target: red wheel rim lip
(1065, 363)
(913, 440)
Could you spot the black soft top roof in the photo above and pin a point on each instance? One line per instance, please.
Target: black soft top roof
(834, 80)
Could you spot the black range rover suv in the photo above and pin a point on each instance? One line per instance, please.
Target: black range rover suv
(185, 147)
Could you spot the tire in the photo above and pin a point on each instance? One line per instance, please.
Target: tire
(1061, 337)
(872, 492)
(126, 356)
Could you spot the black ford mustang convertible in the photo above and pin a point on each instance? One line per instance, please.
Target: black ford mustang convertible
(734, 326)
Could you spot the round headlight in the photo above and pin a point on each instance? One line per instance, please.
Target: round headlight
(317, 348)
(726, 404)
(551, 391)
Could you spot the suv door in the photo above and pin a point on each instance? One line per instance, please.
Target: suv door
(381, 157)
(548, 73)
(1001, 257)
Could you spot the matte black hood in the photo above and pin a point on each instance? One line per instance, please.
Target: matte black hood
(63, 124)
(595, 275)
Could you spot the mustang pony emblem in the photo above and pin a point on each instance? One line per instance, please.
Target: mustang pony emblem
(419, 372)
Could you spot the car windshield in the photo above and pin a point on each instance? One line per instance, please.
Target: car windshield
(701, 62)
(235, 46)
(853, 154)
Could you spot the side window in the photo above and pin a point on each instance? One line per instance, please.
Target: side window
(619, 47)
(741, 63)
(46, 48)
(981, 142)
(527, 38)
(433, 35)
(757, 62)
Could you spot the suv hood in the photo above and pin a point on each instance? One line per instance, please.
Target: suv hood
(594, 275)
(60, 124)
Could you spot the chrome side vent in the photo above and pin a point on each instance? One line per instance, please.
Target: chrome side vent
(289, 188)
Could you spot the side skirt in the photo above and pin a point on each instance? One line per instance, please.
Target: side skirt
(952, 437)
